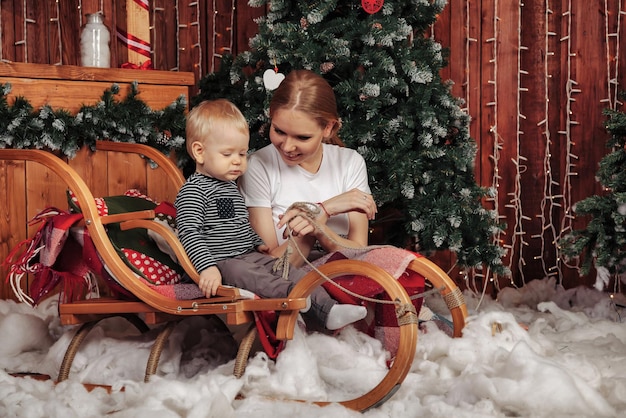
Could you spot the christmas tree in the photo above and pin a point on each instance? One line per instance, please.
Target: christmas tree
(602, 243)
(396, 111)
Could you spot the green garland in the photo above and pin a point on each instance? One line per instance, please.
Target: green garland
(128, 120)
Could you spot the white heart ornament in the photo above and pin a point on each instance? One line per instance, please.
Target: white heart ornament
(272, 79)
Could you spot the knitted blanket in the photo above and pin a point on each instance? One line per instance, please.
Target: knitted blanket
(394, 261)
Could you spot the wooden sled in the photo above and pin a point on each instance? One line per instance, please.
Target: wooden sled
(153, 308)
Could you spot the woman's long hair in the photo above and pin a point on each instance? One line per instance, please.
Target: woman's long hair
(308, 92)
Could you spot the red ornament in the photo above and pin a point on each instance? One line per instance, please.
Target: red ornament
(372, 6)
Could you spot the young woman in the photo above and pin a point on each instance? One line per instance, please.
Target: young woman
(306, 162)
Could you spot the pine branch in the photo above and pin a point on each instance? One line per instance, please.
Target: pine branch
(127, 120)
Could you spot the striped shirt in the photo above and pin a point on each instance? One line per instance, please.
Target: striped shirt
(212, 221)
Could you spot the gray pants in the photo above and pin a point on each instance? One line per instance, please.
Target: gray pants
(253, 272)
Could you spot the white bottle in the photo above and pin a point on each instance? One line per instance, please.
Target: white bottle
(94, 42)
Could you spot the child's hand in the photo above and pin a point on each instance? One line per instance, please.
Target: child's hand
(210, 280)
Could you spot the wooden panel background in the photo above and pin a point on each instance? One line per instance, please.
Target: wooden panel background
(535, 77)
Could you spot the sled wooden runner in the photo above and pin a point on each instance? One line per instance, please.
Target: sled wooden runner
(152, 308)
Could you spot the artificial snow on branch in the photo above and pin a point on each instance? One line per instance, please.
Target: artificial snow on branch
(127, 120)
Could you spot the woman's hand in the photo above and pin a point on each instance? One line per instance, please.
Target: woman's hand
(263, 223)
(303, 226)
(298, 223)
(352, 200)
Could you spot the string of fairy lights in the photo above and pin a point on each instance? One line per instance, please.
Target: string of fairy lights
(613, 25)
(566, 184)
(57, 19)
(24, 32)
(183, 25)
(197, 45)
(519, 161)
(22, 35)
(219, 52)
(514, 197)
(493, 129)
(550, 201)
(470, 42)
(612, 30)
(612, 42)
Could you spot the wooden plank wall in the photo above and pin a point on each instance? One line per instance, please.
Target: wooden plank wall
(535, 76)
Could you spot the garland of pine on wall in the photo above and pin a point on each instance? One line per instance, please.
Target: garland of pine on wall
(127, 120)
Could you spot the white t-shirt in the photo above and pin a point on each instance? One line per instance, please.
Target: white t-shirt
(270, 183)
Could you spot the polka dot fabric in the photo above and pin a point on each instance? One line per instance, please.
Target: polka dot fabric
(155, 272)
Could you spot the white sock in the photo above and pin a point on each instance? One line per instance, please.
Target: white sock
(341, 315)
(308, 305)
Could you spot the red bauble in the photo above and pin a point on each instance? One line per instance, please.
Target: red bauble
(372, 6)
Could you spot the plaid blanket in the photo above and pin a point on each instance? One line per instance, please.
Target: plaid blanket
(394, 261)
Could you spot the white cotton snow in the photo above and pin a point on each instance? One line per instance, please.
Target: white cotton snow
(539, 351)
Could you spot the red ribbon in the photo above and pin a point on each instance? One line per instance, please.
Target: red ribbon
(147, 65)
(133, 43)
(143, 3)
